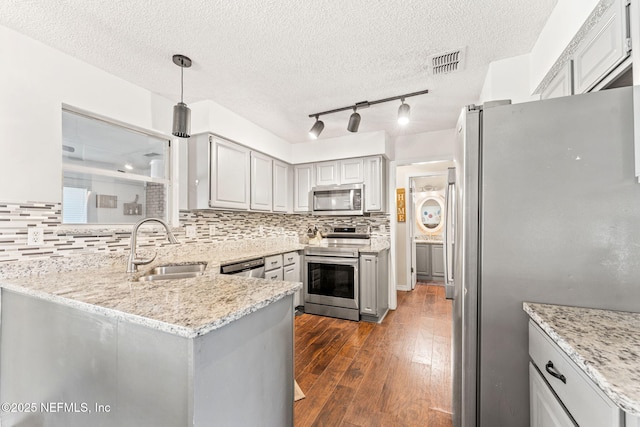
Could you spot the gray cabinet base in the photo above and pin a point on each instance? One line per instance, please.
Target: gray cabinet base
(131, 375)
(328, 310)
(373, 319)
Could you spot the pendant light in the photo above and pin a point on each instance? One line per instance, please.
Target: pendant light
(403, 113)
(316, 129)
(354, 121)
(181, 113)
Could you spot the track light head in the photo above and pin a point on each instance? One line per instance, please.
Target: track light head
(354, 122)
(403, 113)
(316, 129)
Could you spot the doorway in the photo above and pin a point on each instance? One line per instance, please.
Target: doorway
(427, 205)
(423, 182)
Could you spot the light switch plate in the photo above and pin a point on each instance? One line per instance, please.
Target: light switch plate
(191, 232)
(35, 236)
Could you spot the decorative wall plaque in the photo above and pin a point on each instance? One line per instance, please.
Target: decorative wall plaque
(401, 205)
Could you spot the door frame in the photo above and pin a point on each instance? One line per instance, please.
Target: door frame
(391, 186)
(412, 272)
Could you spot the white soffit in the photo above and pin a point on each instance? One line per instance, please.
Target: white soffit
(275, 63)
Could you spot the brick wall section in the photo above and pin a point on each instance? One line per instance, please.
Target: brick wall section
(155, 200)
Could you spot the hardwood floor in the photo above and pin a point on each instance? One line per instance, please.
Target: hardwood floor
(397, 373)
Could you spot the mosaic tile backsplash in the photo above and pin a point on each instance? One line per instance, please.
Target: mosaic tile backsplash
(212, 226)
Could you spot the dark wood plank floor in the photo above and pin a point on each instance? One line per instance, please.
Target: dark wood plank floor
(397, 373)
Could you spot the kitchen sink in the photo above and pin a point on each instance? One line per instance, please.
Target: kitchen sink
(174, 271)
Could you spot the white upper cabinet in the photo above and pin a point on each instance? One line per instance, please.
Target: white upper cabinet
(351, 171)
(336, 172)
(375, 188)
(303, 182)
(561, 84)
(225, 175)
(230, 177)
(604, 47)
(327, 173)
(261, 182)
(281, 173)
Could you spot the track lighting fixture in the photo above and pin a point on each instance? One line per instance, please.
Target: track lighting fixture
(181, 113)
(354, 120)
(316, 129)
(403, 113)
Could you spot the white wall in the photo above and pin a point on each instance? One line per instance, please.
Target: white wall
(209, 116)
(427, 146)
(35, 81)
(508, 79)
(563, 24)
(343, 147)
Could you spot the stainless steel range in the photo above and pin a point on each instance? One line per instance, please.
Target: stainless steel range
(331, 276)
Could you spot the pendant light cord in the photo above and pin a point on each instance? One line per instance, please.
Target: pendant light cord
(182, 84)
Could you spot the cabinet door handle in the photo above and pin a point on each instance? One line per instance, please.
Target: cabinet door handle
(554, 373)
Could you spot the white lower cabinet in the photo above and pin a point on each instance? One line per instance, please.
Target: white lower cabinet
(374, 286)
(291, 272)
(274, 274)
(546, 410)
(273, 267)
(576, 393)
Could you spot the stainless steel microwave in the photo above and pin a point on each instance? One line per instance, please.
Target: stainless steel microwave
(337, 199)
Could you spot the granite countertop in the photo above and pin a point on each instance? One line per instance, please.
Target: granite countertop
(375, 247)
(604, 344)
(185, 307)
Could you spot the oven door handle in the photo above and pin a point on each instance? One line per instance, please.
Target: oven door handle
(331, 260)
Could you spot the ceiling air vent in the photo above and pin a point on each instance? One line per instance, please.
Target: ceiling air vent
(448, 62)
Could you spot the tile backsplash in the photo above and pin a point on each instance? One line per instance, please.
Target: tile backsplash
(211, 225)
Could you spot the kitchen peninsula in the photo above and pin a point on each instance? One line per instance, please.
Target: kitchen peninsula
(107, 349)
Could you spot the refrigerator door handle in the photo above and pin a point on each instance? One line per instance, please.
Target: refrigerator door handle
(448, 244)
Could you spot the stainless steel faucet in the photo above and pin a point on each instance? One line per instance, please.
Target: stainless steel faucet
(132, 264)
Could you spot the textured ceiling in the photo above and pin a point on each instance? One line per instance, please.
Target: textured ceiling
(276, 62)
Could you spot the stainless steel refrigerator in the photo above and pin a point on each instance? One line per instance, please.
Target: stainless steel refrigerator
(545, 207)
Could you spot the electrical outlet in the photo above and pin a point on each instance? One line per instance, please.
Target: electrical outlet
(261, 230)
(212, 230)
(191, 232)
(35, 236)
